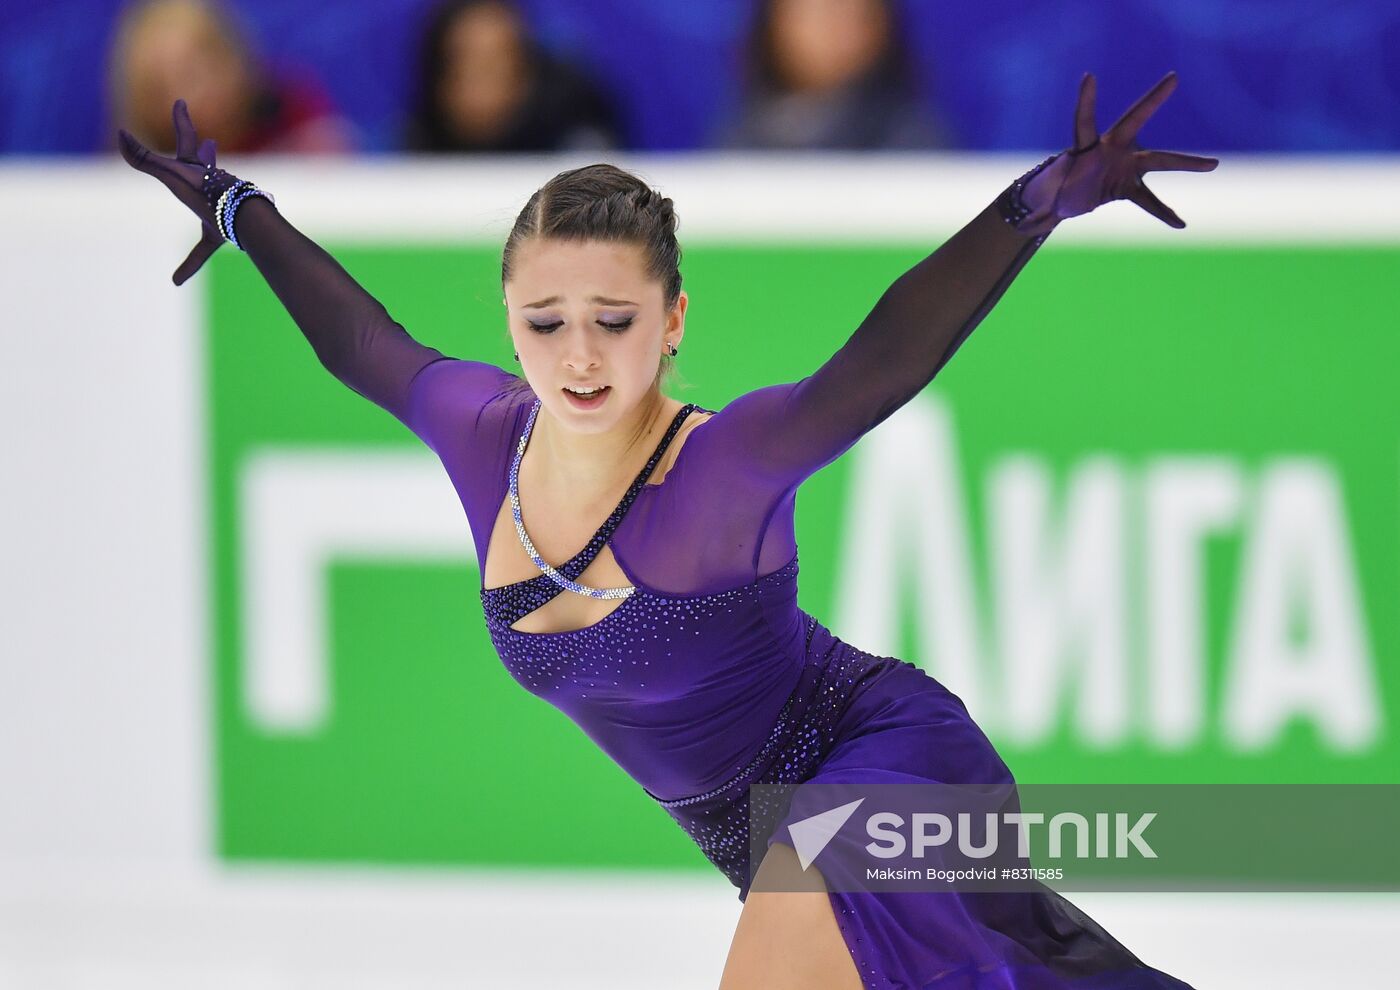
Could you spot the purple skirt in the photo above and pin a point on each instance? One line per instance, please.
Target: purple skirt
(857, 718)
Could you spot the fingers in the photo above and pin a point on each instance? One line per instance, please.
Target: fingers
(1145, 198)
(207, 151)
(1174, 161)
(137, 155)
(208, 244)
(185, 138)
(1128, 125)
(1085, 128)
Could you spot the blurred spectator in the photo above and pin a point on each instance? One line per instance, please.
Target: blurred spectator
(193, 49)
(830, 74)
(485, 85)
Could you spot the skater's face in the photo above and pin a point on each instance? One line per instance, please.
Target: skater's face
(586, 313)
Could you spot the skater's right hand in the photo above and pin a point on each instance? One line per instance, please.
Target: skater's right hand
(184, 175)
(1100, 168)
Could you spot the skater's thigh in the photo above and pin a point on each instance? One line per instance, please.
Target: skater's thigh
(787, 940)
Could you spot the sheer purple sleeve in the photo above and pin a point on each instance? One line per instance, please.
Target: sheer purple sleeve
(784, 433)
(463, 410)
(470, 413)
(353, 335)
(725, 512)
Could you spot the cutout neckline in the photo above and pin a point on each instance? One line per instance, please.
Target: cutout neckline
(634, 490)
(649, 592)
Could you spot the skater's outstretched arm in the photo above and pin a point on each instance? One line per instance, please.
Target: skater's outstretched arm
(351, 332)
(784, 433)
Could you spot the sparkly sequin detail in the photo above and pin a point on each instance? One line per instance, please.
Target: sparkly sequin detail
(800, 740)
(770, 745)
(612, 658)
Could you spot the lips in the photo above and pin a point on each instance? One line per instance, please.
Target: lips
(581, 402)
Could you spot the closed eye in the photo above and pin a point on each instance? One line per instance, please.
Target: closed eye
(548, 328)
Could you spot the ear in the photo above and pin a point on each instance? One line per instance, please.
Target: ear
(675, 320)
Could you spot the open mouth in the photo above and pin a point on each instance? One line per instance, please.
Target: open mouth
(588, 401)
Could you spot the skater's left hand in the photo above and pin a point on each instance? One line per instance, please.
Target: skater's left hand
(184, 176)
(1103, 167)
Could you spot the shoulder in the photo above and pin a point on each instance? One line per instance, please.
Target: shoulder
(728, 433)
(461, 380)
(451, 396)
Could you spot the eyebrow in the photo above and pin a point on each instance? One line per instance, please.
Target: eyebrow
(594, 299)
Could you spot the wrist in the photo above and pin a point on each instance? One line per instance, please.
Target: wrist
(227, 194)
(232, 203)
(1025, 204)
(216, 184)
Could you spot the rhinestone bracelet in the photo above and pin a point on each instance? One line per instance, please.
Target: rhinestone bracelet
(231, 211)
(225, 194)
(221, 207)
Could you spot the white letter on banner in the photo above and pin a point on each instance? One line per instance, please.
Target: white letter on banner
(1060, 596)
(298, 511)
(1184, 500)
(907, 527)
(1298, 565)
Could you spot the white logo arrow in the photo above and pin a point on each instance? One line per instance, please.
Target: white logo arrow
(810, 836)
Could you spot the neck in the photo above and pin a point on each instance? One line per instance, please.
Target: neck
(589, 464)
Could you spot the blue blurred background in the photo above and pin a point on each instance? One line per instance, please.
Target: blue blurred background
(1261, 75)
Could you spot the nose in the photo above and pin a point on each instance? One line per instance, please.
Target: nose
(581, 352)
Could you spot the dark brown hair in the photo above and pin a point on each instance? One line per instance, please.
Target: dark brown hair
(605, 203)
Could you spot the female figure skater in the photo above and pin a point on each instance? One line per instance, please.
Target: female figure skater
(679, 647)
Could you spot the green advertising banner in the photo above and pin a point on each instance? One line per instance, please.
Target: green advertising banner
(1146, 522)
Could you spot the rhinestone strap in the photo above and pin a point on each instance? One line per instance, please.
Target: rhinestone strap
(549, 571)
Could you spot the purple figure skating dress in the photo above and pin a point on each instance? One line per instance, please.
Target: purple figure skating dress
(708, 677)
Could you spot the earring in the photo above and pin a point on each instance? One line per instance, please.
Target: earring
(517, 355)
(674, 349)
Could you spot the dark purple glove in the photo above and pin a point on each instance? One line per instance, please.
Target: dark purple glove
(191, 175)
(352, 334)
(1100, 168)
